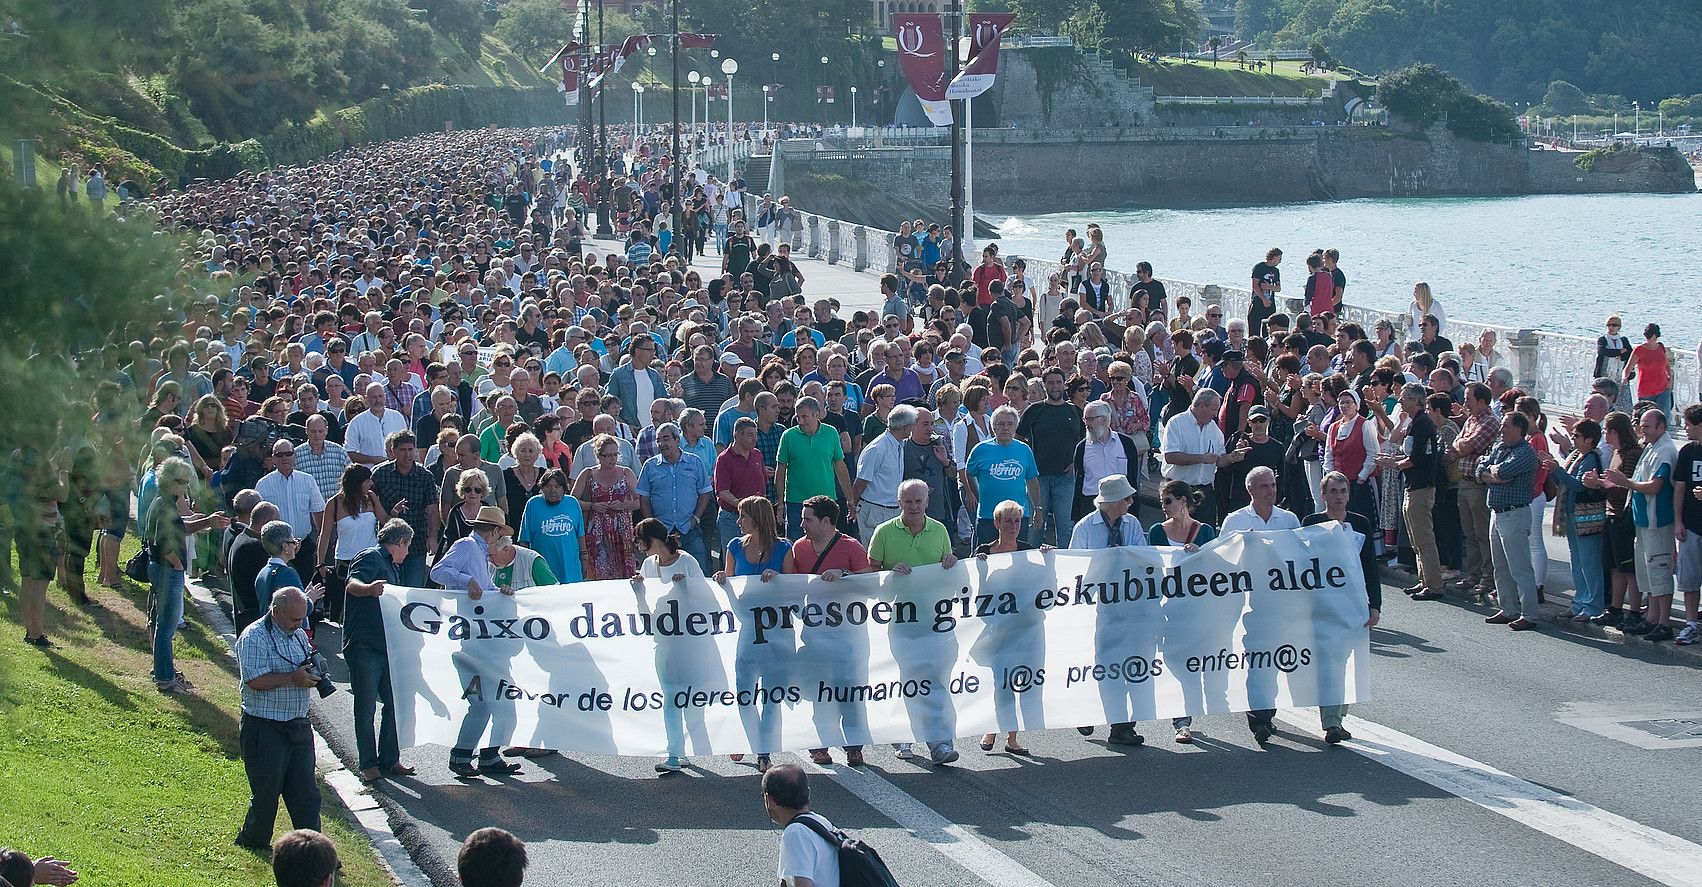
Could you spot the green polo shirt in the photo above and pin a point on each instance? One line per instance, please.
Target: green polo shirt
(809, 461)
(893, 544)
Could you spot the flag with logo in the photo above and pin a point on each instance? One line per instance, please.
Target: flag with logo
(985, 31)
(921, 42)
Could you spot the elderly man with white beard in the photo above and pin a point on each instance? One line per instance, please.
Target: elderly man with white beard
(1102, 452)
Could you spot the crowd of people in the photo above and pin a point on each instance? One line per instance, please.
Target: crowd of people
(413, 366)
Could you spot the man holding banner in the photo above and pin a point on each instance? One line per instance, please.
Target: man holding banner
(914, 539)
(1111, 525)
(1261, 514)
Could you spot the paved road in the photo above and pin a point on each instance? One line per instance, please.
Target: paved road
(1222, 811)
(1452, 780)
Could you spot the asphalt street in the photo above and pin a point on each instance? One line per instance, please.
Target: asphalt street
(1537, 705)
(1482, 757)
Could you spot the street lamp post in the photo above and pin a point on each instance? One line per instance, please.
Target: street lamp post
(637, 107)
(694, 78)
(853, 107)
(708, 128)
(729, 67)
(767, 91)
(674, 89)
(1636, 121)
(605, 212)
(825, 111)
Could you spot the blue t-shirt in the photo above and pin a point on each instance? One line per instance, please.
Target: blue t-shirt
(742, 567)
(553, 531)
(1001, 472)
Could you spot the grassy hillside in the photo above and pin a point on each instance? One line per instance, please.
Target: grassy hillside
(205, 87)
(1175, 77)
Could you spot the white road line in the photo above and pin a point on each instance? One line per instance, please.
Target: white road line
(953, 841)
(1650, 852)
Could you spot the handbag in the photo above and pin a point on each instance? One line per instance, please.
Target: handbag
(140, 566)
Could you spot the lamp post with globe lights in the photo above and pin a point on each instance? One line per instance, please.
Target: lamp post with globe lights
(637, 107)
(729, 67)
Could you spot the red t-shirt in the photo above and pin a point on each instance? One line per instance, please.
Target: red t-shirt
(848, 555)
(984, 275)
(1323, 293)
(1651, 364)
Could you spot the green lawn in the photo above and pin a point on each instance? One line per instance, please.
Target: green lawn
(1176, 77)
(132, 787)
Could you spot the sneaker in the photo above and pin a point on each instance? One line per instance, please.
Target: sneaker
(41, 642)
(941, 760)
(1608, 619)
(672, 765)
(1658, 633)
(175, 686)
(903, 751)
(1640, 628)
(1125, 737)
(184, 681)
(1687, 635)
(763, 763)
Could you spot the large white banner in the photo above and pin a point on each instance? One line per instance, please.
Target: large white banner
(1026, 641)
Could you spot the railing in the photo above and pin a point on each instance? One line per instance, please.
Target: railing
(714, 157)
(1557, 368)
(1236, 100)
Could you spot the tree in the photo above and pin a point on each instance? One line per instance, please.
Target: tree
(1419, 94)
(535, 29)
(1564, 98)
(1215, 42)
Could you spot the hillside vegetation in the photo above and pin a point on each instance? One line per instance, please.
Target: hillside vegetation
(174, 88)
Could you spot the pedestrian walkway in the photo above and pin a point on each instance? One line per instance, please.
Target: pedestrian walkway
(855, 290)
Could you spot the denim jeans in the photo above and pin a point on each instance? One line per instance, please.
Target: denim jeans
(1588, 592)
(728, 523)
(1058, 497)
(412, 571)
(1664, 401)
(369, 679)
(794, 521)
(168, 612)
(692, 543)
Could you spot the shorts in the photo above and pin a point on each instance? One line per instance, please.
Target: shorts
(1655, 561)
(113, 507)
(38, 553)
(1619, 550)
(1690, 563)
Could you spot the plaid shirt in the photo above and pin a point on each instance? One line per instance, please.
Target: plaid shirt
(1480, 433)
(326, 469)
(1517, 467)
(265, 649)
(646, 446)
(418, 486)
(768, 444)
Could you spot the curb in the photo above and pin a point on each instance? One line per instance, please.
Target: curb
(360, 804)
(1555, 611)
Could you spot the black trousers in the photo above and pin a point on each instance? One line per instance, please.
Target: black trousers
(278, 758)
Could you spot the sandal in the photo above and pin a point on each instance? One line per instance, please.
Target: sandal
(1017, 750)
(987, 743)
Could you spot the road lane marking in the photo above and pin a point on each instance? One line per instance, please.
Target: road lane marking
(951, 840)
(1657, 855)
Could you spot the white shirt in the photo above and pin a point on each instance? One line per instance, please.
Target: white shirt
(1101, 460)
(297, 497)
(882, 465)
(367, 432)
(1248, 519)
(1184, 434)
(1092, 532)
(644, 392)
(803, 854)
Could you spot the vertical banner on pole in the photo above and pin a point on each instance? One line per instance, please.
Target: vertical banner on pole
(922, 56)
(985, 31)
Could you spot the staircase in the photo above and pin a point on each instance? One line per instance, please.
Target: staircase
(1129, 100)
(756, 173)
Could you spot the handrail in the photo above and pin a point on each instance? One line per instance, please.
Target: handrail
(1556, 367)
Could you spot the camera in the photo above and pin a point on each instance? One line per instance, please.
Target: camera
(319, 668)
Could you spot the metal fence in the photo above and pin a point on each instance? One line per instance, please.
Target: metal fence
(1555, 367)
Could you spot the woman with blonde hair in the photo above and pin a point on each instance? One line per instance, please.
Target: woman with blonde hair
(1423, 304)
(611, 491)
(210, 433)
(167, 531)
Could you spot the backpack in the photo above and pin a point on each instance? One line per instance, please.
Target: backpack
(859, 864)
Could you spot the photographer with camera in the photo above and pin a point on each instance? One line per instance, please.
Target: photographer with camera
(279, 667)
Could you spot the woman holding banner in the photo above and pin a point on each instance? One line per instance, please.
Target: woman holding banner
(665, 562)
(1336, 491)
(1180, 529)
(1007, 521)
(761, 551)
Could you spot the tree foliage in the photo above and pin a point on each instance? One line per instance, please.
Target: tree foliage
(1124, 24)
(1421, 95)
(1508, 48)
